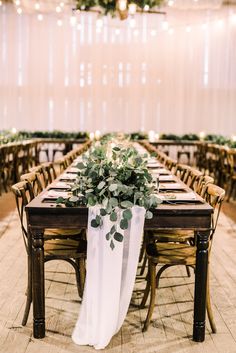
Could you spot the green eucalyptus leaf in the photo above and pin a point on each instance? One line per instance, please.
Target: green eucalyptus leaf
(101, 185)
(81, 165)
(60, 200)
(148, 215)
(74, 199)
(94, 223)
(113, 229)
(91, 201)
(113, 216)
(126, 204)
(127, 214)
(118, 237)
(108, 236)
(113, 187)
(98, 220)
(113, 202)
(124, 224)
(112, 245)
(103, 212)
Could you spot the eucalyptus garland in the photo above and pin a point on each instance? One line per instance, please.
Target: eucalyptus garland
(110, 6)
(116, 178)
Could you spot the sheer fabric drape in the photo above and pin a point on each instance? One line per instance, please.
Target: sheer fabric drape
(117, 77)
(110, 280)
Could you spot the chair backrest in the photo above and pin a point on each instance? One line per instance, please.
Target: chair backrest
(182, 172)
(62, 164)
(204, 181)
(49, 172)
(40, 174)
(170, 163)
(193, 178)
(214, 195)
(23, 195)
(34, 182)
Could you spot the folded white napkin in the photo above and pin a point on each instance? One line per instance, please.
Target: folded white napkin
(166, 177)
(171, 186)
(73, 170)
(55, 194)
(185, 196)
(67, 176)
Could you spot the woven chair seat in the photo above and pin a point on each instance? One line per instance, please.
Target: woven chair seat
(65, 248)
(171, 253)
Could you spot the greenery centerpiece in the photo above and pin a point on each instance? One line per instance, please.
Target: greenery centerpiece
(115, 177)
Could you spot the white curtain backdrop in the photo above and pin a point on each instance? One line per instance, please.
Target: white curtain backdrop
(121, 76)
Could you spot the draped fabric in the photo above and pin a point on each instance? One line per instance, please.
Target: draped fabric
(109, 282)
(178, 77)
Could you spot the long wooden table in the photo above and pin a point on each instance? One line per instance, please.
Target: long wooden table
(195, 215)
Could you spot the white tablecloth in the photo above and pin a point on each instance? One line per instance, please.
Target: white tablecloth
(109, 280)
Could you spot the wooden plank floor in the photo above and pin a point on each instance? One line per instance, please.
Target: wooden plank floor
(171, 328)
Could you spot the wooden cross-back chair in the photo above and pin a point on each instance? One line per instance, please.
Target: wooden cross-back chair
(171, 253)
(57, 244)
(182, 172)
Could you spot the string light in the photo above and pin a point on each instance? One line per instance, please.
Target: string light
(99, 23)
(73, 20)
(58, 9)
(188, 29)
(59, 23)
(40, 17)
(132, 8)
(132, 23)
(165, 25)
(220, 23)
(0, 3)
(171, 2)
(233, 18)
(37, 6)
(19, 10)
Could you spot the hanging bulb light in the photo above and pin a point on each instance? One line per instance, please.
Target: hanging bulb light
(132, 9)
(122, 5)
(165, 25)
(37, 6)
(40, 17)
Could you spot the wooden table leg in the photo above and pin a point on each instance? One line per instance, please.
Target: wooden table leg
(38, 283)
(200, 286)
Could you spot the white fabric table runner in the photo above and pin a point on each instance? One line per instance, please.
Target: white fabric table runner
(109, 281)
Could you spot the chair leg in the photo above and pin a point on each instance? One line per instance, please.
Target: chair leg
(146, 290)
(80, 275)
(231, 187)
(142, 251)
(188, 271)
(152, 272)
(143, 265)
(209, 308)
(159, 273)
(28, 293)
